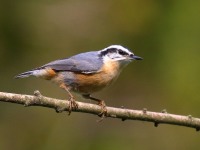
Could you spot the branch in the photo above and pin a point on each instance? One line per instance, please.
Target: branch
(121, 113)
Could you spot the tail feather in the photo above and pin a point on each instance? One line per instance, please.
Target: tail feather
(24, 74)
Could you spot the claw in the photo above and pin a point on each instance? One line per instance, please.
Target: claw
(72, 105)
(103, 112)
(101, 103)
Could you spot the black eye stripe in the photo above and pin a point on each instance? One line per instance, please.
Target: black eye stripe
(122, 52)
(110, 50)
(114, 50)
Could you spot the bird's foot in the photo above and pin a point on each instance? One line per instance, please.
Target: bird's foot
(72, 105)
(103, 112)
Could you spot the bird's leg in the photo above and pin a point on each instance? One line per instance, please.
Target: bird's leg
(72, 102)
(101, 103)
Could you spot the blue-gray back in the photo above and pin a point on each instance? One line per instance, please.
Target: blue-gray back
(86, 63)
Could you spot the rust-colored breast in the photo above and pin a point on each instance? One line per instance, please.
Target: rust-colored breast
(89, 83)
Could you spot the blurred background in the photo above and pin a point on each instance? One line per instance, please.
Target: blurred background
(165, 33)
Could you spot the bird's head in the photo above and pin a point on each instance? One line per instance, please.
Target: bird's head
(118, 53)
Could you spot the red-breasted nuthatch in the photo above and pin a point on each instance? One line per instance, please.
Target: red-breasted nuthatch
(85, 73)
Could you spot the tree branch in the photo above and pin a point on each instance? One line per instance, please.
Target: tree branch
(121, 113)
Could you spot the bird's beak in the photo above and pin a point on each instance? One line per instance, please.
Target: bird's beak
(136, 57)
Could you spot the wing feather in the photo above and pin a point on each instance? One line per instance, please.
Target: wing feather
(85, 63)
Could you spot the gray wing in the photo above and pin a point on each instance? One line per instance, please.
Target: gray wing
(86, 63)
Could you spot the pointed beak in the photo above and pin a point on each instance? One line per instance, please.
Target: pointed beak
(136, 57)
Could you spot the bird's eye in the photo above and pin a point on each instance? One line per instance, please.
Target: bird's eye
(122, 53)
(131, 55)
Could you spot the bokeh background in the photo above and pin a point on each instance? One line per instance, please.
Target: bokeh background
(165, 33)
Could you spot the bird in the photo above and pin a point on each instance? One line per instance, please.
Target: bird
(85, 73)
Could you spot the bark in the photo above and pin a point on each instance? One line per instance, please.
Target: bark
(121, 113)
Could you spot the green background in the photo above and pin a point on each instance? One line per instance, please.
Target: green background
(165, 33)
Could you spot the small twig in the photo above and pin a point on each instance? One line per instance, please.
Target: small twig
(121, 113)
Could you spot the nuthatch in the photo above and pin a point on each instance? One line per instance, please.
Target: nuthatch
(85, 73)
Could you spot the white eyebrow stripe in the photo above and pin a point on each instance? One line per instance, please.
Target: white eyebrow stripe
(118, 47)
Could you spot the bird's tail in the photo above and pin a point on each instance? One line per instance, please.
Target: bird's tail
(25, 74)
